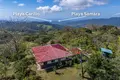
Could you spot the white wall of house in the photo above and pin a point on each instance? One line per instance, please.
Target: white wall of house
(39, 66)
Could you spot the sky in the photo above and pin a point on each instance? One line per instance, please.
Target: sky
(59, 9)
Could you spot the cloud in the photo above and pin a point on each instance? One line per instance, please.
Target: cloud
(15, 2)
(80, 4)
(21, 4)
(47, 9)
(116, 14)
(39, 1)
(100, 2)
(56, 1)
(56, 8)
(43, 9)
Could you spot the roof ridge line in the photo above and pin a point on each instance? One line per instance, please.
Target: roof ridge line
(54, 51)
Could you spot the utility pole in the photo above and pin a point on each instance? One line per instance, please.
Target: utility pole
(81, 65)
(82, 72)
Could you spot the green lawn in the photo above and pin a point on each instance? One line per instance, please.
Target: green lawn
(69, 73)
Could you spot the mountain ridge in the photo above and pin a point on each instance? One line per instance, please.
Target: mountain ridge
(115, 21)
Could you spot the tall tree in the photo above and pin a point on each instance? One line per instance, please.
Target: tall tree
(101, 68)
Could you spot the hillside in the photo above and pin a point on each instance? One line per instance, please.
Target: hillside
(29, 26)
(15, 49)
(35, 26)
(110, 21)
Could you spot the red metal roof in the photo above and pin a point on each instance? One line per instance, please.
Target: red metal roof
(49, 52)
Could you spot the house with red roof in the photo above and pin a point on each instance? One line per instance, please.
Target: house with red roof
(48, 55)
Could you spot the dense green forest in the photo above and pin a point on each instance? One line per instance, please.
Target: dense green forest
(28, 27)
(18, 63)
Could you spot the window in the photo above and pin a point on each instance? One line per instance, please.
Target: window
(56, 60)
(53, 60)
(63, 59)
(49, 62)
(45, 63)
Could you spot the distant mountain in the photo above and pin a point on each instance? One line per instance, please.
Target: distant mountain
(110, 21)
(28, 26)
(34, 26)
